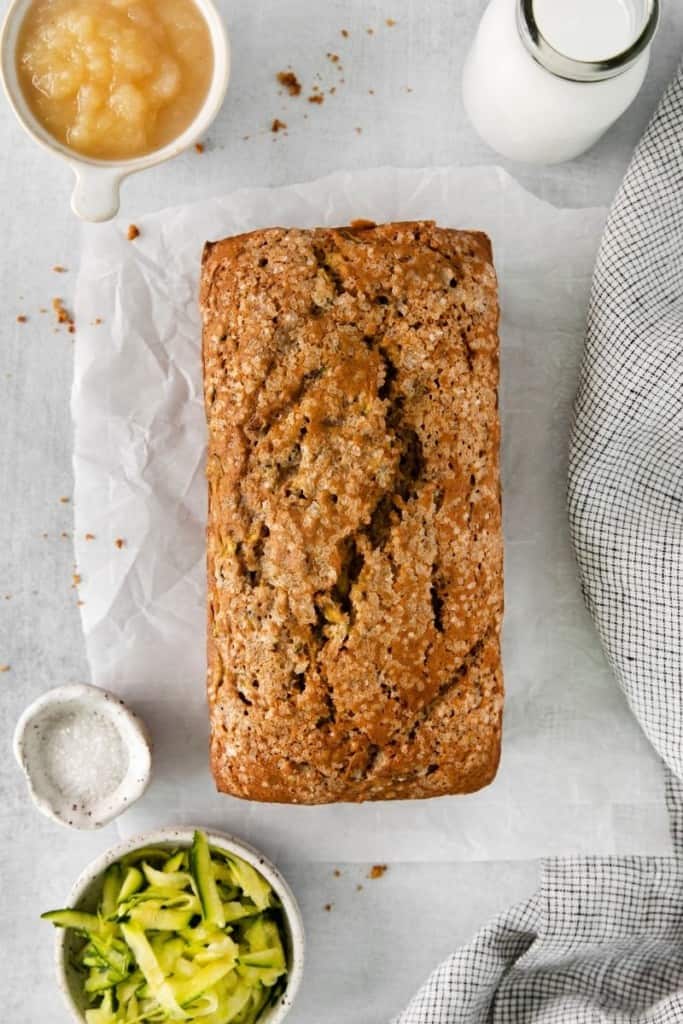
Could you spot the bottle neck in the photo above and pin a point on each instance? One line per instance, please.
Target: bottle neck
(563, 66)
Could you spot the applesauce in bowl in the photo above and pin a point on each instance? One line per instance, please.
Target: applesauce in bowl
(114, 79)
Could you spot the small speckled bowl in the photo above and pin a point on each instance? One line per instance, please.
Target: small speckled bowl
(39, 723)
(86, 893)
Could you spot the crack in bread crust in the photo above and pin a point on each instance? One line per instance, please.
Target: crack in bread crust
(354, 535)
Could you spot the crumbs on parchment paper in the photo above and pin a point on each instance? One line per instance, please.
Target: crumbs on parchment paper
(5, 668)
(22, 318)
(64, 500)
(377, 871)
(290, 82)
(59, 269)
(278, 125)
(328, 907)
(119, 542)
(76, 579)
(90, 536)
(133, 232)
(63, 315)
(199, 147)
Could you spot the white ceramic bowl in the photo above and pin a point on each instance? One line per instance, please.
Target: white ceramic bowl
(132, 750)
(96, 195)
(86, 893)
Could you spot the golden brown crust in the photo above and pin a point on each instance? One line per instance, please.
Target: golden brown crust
(354, 537)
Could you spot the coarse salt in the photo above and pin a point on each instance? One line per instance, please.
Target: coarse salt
(82, 755)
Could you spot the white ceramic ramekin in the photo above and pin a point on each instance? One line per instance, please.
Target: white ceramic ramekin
(32, 732)
(86, 893)
(96, 195)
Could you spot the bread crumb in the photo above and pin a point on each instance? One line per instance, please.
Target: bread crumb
(119, 542)
(377, 870)
(370, 31)
(79, 604)
(90, 536)
(290, 82)
(76, 579)
(65, 501)
(64, 534)
(199, 146)
(59, 269)
(334, 57)
(63, 315)
(277, 125)
(316, 97)
(345, 33)
(328, 907)
(371, 92)
(390, 22)
(42, 309)
(5, 668)
(359, 888)
(133, 232)
(22, 318)
(358, 130)
(337, 873)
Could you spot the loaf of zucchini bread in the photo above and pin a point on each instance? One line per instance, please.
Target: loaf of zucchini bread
(354, 523)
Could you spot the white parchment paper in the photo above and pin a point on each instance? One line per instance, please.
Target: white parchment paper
(576, 775)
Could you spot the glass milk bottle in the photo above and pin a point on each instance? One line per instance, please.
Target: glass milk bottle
(544, 79)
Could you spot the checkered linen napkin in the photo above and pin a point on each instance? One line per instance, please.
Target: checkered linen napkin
(601, 942)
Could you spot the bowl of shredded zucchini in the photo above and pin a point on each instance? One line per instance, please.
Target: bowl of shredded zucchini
(180, 925)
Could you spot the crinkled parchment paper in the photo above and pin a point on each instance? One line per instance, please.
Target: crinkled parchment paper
(576, 774)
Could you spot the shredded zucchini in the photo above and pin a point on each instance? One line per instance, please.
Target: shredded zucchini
(180, 935)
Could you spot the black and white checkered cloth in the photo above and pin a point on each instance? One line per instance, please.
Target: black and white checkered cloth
(602, 940)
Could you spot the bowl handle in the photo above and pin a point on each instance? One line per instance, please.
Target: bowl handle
(96, 193)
